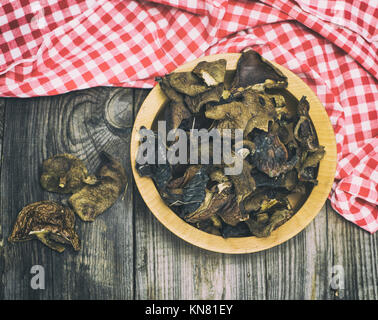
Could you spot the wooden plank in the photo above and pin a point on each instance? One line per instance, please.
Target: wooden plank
(2, 111)
(296, 269)
(76, 123)
(354, 256)
(162, 265)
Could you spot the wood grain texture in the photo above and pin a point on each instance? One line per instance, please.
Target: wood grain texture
(36, 129)
(356, 251)
(2, 259)
(127, 253)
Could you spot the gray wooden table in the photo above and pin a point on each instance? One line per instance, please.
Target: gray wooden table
(126, 253)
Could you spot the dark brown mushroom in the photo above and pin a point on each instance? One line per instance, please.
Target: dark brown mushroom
(253, 111)
(212, 73)
(187, 83)
(49, 222)
(307, 169)
(271, 155)
(214, 201)
(253, 70)
(64, 173)
(175, 113)
(262, 225)
(231, 213)
(304, 131)
(244, 184)
(212, 95)
(93, 200)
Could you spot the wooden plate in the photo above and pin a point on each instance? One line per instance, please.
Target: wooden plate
(311, 207)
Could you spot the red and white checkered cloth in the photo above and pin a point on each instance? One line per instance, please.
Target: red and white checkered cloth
(49, 47)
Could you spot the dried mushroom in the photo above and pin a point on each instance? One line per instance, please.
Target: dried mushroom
(53, 223)
(285, 132)
(212, 73)
(244, 183)
(175, 113)
(262, 224)
(237, 231)
(304, 131)
(160, 173)
(170, 92)
(187, 83)
(231, 213)
(93, 200)
(255, 201)
(194, 192)
(213, 202)
(64, 173)
(253, 70)
(181, 181)
(307, 169)
(271, 155)
(49, 222)
(287, 180)
(278, 150)
(212, 95)
(252, 110)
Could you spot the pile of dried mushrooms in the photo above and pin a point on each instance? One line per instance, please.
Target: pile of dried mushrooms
(54, 223)
(280, 150)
